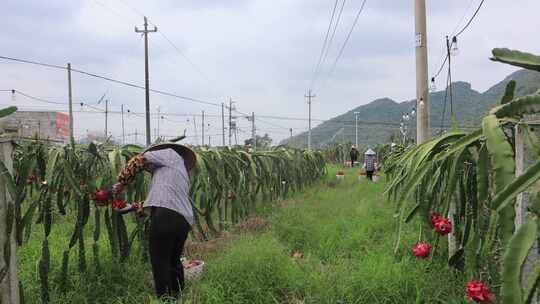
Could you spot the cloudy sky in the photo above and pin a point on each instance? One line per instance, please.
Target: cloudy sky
(260, 53)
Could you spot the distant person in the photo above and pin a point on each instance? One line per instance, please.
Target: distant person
(370, 163)
(354, 155)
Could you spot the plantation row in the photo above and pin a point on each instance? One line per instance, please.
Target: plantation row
(464, 186)
(73, 182)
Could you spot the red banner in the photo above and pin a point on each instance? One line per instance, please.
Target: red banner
(62, 125)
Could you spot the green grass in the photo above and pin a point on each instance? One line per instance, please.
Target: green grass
(345, 233)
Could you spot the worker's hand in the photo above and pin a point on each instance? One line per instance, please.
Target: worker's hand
(118, 188)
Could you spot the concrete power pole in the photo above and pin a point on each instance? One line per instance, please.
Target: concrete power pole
(223, 123)
(158, 122)
(230, 122)
(309, 97)
(70, 94)
(422, 97)
(202, 125)
(106, 119)
(253, 135)
(146, 76)
(356, 126)
(195, 128)
(290, 140)
(123, 128)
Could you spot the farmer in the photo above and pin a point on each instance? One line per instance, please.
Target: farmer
(168, 203)
(354, 155)
(370, 163)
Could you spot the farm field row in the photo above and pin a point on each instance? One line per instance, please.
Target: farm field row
(343, 234)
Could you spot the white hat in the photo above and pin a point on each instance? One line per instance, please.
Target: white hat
(189, 156)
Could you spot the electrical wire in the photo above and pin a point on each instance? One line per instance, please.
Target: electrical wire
(459, 33)
(170, 42)
(258, 117)
(33, 62)
(450, 89)
(336, 25)
(111, 10)
(325, 43)
(347, 39)
(263, 121)
(471, 19)
(135, 10)
(444, 105)
(38, 99)
(462, 17)
(125, 83)
(440, 68)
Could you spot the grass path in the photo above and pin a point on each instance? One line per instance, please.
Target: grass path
(345, 233)
(346, 236)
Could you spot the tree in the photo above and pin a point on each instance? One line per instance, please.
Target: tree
(262, 141)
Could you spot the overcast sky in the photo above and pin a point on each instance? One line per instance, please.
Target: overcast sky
(261, 53)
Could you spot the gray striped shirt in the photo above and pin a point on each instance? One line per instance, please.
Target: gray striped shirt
(169, 187)
(369, 162)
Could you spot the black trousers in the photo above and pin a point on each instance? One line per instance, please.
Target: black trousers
(369, 174)
(168, 233)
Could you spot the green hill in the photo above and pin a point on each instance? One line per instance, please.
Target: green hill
(379, 120)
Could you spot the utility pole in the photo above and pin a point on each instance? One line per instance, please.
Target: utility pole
(253, 130)
(356, 127)
(70, 94)
(123, 129)
(146, 76)
(290, 131)
(106, 118)
(309, 97)
(450, 78)
(422, 97)
(195, 127)
(209, 144)
(159, 118)
(223, 122)
(230, 121)
(202, 125)
(136, 136)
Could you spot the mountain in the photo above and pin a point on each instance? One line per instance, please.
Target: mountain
(380, 119)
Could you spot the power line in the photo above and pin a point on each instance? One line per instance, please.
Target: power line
(141, 113)
(38, 99)
(34, 62)
(462, 17)
(121, 82)
(316, 71)
(444, 103)
(113, 11)
(170, 42)
(348, 37)
(260, 120)
(166, 115)
(135, 10)
(330, 41)
(440, 68)
(471, 19)
(193, 65)
(162, 34)
(454, 37)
